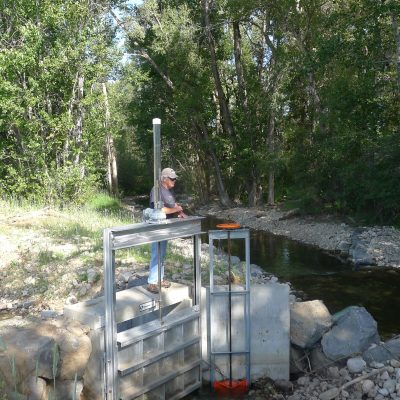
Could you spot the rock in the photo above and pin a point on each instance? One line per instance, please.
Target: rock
(354, 331)
(345, 394)
(297, 360)
(256, 270)
(75, 348)
(283, 385)
(356, 365)
(376, 354)
(384, 376)
(319, 361)
(45, 314)
(92, 275)
(309, 320)
(36, 388)
(67, 390)
(333, 372)
(367, 386)
(395, 363)
(376, 365)
(384, 392)
(390, 385)
(71, 300)
(17, 396)
(32, 353)
(329, 394)
(303, 381)
(382, 353)
(296, 396)
(235, 260)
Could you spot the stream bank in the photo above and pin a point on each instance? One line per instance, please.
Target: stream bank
(376, 246)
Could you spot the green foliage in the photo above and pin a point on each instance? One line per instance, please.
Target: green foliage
(313, 100)
(52, 139)
(103, 201)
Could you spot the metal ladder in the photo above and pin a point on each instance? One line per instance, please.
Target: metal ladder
(218, 295)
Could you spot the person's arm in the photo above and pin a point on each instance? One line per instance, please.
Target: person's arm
(176, 209)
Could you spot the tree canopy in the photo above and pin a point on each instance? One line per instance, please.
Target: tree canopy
(260, 101)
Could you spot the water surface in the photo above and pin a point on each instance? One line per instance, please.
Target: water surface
(318, 275)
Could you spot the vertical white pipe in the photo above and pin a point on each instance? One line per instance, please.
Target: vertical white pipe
(157, 162)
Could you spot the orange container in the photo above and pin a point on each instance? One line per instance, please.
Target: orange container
(228, 225)
(236, 388)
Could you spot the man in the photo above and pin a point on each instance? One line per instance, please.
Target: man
(172, 210)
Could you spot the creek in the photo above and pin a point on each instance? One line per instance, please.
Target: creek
(314, 274)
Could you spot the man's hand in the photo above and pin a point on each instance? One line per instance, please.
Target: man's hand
(182, 215)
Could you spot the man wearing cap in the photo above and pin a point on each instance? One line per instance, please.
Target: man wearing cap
(172, 210)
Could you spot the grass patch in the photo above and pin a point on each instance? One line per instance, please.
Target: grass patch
(102, 202)
(47, 256)
(50, 250)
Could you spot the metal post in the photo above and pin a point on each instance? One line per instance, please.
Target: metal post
(157, 162)
(159, 281)
(110, 329)
(230, 307)
(210, 343)
(196, 270)
(248, 319)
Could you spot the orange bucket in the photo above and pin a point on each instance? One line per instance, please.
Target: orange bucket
(231, 389)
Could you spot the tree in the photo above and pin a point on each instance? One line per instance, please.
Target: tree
(53, 54)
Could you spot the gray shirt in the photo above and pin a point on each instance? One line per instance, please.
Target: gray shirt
(166, 196)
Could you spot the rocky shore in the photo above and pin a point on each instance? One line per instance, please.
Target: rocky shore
(363, 246)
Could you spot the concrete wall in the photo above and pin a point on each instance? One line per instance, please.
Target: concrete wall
(269, 332)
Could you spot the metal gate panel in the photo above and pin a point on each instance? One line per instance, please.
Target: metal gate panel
(239, 300)
(174, 369)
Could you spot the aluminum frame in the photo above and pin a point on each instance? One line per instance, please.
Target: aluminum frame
(229, 235)
(129, 236)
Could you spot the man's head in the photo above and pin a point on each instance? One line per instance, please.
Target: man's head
(168, 177)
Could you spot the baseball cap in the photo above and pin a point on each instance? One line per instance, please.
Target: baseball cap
(168, 173)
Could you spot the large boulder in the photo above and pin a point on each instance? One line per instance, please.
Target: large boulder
(383, 352)
(354, 331)
(74, 344)
(309, 320)
(44, 357)
(25, 353)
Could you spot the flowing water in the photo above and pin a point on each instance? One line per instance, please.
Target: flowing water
(317, 275)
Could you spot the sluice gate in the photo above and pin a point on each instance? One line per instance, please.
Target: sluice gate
(145, 346)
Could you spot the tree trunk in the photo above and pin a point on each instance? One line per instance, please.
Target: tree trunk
(223, 194)
(315, 108)
(226, 116)
(239, 67)
(271, 150)
(254, 187)
(79, 123)
(75, 113)
(112, 174)
(396, 33)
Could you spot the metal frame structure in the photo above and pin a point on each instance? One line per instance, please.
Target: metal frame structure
(134, 235)
(229, 235)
